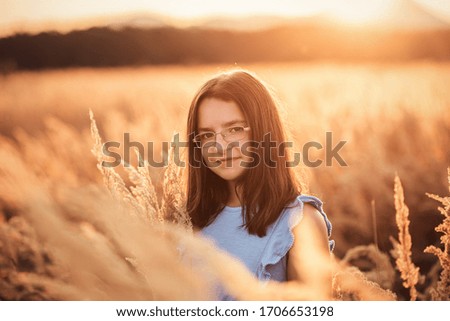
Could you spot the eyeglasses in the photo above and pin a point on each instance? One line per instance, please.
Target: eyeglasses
(230, 134)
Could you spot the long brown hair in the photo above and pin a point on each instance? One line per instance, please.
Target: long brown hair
(266, 190)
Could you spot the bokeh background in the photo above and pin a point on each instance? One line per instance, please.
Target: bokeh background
(376, 74)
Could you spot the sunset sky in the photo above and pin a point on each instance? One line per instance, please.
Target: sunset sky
(24, 15)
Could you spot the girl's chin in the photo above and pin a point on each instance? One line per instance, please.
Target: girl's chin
(230, 169)
(229, 174)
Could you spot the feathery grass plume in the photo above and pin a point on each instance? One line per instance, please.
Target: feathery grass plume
(374, 264)
(350, 284)
(174, 197)
(144, 190)
(111, 179)
(140, 198)
(442, 290)
(432, 279)
(402, 248)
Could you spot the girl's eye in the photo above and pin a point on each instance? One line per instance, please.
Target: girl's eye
(236, 129)
(206, 135)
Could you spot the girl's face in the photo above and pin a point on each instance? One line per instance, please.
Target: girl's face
(223, 155)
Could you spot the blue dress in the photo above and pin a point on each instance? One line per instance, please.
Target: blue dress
(264, 256)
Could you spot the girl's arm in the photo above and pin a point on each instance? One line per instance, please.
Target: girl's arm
(310, 245)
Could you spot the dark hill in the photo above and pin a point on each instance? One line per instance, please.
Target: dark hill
(105, 47)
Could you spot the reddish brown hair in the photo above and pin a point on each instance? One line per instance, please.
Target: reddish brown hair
(266, 190)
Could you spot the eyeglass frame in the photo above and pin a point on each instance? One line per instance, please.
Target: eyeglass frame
(246, 129)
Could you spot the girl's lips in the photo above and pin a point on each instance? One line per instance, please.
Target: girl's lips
(226, 159)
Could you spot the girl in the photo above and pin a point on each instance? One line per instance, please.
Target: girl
(241, 192)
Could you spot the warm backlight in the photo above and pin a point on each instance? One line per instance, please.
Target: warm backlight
(357, 11)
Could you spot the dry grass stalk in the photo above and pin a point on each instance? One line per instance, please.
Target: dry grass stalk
(402, 249)
(349, 283)
(174, 197)
(112, 179)
(144, 190)
(374, 264)
(142, 198)
(374, 223)
(442, 290)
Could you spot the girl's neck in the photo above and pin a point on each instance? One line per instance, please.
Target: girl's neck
(233, 200)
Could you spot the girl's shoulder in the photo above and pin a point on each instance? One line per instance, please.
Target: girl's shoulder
(282, 237)
(294, 212)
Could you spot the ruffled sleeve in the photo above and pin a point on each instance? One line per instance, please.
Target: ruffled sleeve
(273, 263)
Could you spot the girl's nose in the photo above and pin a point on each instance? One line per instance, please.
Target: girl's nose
(214, 148)
(220, 143)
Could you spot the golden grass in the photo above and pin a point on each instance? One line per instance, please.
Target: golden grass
(375, 264)
(442, 290)
(402, 248)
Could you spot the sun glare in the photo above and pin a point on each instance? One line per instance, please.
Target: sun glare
(64, 15)
(358, 11)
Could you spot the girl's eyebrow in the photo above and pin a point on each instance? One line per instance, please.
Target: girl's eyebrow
(224, 125)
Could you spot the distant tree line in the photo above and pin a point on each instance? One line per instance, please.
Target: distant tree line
(105, 47)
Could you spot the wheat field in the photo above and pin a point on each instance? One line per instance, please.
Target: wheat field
(71, 231)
